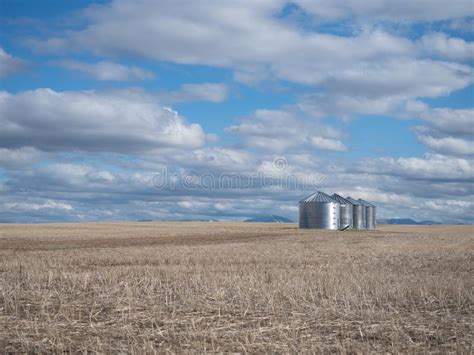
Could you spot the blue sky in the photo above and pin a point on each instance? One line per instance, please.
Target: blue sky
(368, 99)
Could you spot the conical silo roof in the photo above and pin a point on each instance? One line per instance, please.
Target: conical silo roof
(340, 199)
(365, 203)
(318, 197)
(353, 201)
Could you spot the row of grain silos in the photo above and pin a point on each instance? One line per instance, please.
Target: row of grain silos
(321, 211)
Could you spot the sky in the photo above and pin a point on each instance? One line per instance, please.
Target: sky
(177, 110)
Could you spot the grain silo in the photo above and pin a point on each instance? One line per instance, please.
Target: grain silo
(369, 214)
(319, 211)
(358, 215)
(346, 211)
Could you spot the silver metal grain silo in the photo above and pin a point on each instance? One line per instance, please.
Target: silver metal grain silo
(346, 211)
(319, 211)
(369, 214)
(375, 216)
(358, 215)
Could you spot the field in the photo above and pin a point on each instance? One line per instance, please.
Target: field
(238, 287)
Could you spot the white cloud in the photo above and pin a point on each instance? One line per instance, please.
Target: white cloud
(9, 64)
(290, 208)
(388, 84)
(200, 204)
(449, 121)
(449, 208)
(213, 92)
(251, 39)
(120, 121)
(221, 158)
(328, 143)
(447, 128)
(73, 175)
(447, 145)
(434, 167)
(447, 47)
(22, 157)
(186, 204)
(377, 196)
(105, 70)
(48, 204)
(460, 24)
(383, 10)
(399, 187)
(367, 70)
(105, 177)
(406, 78)
(279, 131)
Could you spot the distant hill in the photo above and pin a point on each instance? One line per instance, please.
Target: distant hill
(269, 219)
(404, 221)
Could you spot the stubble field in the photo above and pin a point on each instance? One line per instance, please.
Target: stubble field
(238, 287)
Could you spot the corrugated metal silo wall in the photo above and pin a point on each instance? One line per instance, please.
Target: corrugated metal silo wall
(358, 217)
(346, 215)
(369, 217)
(319, 215)
(375, 216)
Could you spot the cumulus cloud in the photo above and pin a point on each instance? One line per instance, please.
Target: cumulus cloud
(279, 130)
(384, 89)
(220, 158)
(460, 24)
(328, 143)
(447, 145)
(406, 78)
(447, 47)
(121, 121)
(371, 61)
(448, 131)
(48, 204)
(186, 204)
(9, 64)
(432, 167)
(74, 175)
(399, 187)
(21, 157)
(387, 10)
(31, 209)
(105, 70)
(449, 121)
(212, 92)
(127, 193)
(363, 69)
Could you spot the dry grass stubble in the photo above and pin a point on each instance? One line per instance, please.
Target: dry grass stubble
(257, 288)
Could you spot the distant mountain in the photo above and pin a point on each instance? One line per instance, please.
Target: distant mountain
(404, 221)
(269, 219)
